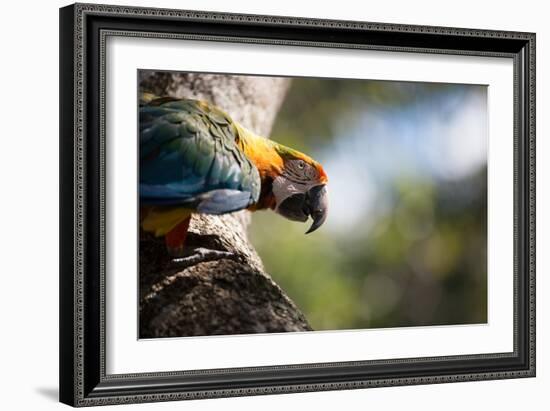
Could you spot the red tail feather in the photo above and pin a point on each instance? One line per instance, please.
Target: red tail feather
(175, 239)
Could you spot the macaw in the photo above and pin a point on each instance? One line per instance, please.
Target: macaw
(194, 158)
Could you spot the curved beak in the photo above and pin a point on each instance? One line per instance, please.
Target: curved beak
(317, 206)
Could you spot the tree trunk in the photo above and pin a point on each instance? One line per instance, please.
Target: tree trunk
(223, 296)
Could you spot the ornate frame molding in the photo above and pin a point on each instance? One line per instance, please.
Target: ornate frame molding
(82, 369)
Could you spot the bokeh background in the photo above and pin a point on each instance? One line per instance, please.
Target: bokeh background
(405, 242)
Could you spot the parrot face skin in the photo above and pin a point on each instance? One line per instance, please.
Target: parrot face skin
(195, 159)
(299, 193)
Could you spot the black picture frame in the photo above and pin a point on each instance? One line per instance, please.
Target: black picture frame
(83, 29)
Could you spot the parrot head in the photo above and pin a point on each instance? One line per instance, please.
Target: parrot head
(299, 189)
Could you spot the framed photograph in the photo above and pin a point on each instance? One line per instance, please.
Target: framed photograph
(259, 204)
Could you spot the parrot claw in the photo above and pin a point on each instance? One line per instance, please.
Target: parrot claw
(203, 255)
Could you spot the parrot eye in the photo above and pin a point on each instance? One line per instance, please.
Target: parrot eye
(301, 164)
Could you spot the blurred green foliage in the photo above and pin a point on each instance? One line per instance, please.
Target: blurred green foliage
(420, 261)
(315, 108)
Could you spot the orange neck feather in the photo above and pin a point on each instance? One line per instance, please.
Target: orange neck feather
(262, 152)
(267, 160)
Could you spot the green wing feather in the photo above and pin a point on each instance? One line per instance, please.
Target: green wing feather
(188, 156)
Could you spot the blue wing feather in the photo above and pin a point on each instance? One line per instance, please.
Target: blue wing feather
(223, 201)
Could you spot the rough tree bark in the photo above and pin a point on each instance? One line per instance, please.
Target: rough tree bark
(225, 296)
